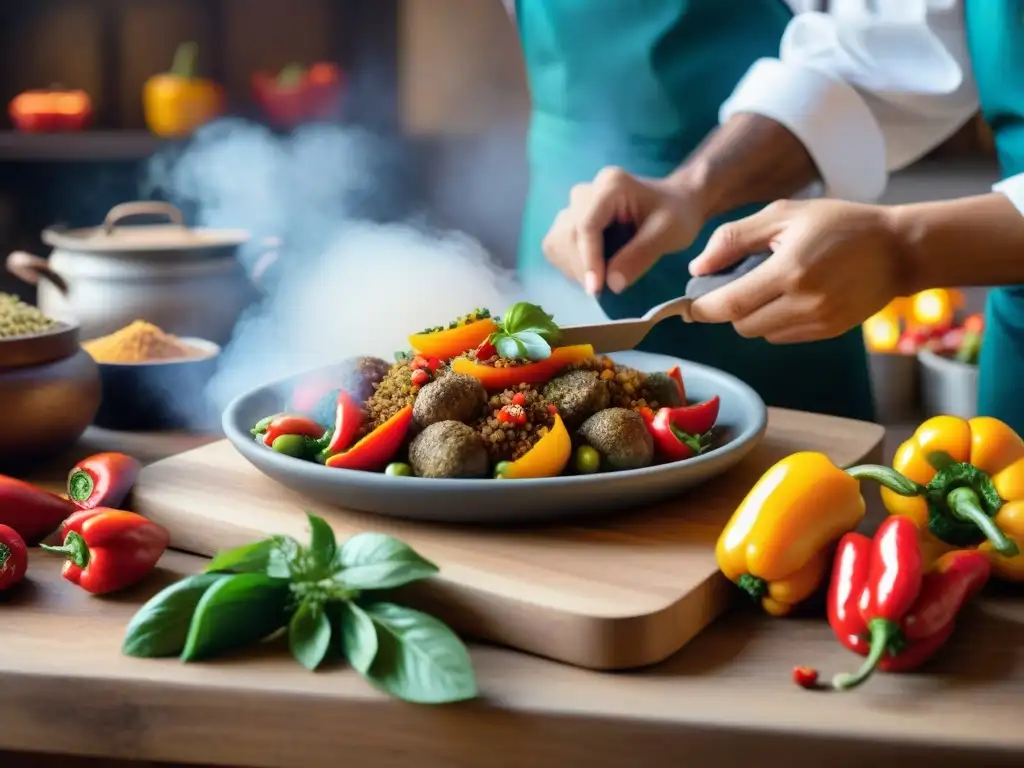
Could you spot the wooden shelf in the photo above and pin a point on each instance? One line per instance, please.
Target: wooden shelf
(87, 146)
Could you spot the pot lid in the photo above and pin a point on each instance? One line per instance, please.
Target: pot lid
(112, 236)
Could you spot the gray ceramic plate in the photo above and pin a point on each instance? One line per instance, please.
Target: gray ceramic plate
(741, 424)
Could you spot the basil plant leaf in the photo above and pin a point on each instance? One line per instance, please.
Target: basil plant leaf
(510, 347)
(536, 348)
(358, 636)
(286, 558)
(322, 544)
(239, 610)
(378, 561)
(419, 659)
(249, 558)
(159, 628)
(309, 635)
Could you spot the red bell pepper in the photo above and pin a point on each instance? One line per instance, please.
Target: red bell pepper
(31, 511)
(347, 422)
(13, 557)
(108, 550)
(695, 419)
(299, 94)
(679, 433)
(288, 424)
(103, 480)
(881, 605)
(677, 376)
(376, 449)
(53, 110)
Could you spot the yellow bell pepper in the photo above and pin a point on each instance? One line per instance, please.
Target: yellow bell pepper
(175, 103)
(546, 459)
(776, 547)
(971, 488)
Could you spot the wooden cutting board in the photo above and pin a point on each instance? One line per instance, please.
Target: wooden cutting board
(620, 592)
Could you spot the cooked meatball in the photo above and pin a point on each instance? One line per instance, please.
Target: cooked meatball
(577, 395)
(449, 449)
(664, 390)
(621, 437)
(454, 397)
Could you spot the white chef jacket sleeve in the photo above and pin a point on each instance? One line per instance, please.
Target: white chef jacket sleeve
(867, 92)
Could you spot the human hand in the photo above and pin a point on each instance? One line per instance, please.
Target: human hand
(834, 264)
(667, 217)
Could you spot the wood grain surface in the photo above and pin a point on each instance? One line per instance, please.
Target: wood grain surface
(725, 700)
(619, 592)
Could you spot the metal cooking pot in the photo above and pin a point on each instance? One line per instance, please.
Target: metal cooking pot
(188, 281)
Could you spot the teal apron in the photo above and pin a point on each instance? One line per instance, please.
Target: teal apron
(638, 85)
(995, 36)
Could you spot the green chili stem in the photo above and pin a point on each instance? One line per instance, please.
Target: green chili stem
(965, 505)
(883, 632)
(887, 477)
(754, 586)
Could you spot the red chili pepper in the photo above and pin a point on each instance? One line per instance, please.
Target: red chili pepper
(805, 677)
(347, 421)
(13, 557)
(377, 448)
(31, 511)
(672, 443)
(881, 605)
(419, 377)
(677, 376)
(108, 550)
(103, 480)
(287, 424)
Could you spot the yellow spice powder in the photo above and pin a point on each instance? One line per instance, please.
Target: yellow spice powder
(136, 343)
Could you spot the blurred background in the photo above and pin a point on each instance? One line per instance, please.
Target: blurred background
(439, 86)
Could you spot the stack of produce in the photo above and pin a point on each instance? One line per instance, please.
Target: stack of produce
(956, 496)
(482, 396)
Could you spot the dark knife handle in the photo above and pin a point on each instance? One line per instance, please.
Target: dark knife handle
(705, 284)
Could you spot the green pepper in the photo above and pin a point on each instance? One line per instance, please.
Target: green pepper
(588, 460)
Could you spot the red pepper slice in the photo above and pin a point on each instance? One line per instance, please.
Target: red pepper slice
(347, 421)
(376, 449)
(13, 557)
(287, 424)
(103, 480)
(672, 443)
(677, 376)
(108, 550)
(696, 419)
(31, 511)
(881, 606)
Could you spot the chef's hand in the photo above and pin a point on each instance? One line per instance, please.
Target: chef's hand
(834, 264)
(668, 218)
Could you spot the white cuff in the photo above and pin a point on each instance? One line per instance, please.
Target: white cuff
(1013, 188)
(828, 116)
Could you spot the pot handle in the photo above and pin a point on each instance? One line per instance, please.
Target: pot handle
(29, 268)
(142, 208)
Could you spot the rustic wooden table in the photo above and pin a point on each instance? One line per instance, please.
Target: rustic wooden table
(67, 694)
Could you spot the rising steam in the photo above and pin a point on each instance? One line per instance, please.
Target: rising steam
(357, 269)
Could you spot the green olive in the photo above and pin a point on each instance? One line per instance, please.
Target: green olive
(290, 445)
(588, 460)
(398, 469)
(501, 468)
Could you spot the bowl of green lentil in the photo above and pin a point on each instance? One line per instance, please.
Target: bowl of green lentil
(418, 486)
(49, 386)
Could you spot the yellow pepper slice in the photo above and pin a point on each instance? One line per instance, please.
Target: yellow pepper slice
(546, 459)
(776, 545)
(972, 494)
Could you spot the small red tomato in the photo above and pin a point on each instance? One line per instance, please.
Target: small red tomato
(805, 677)
(420, 377)
(418, 362)
(519, 398)
(433, 363)
(552, 409)
(13, 557)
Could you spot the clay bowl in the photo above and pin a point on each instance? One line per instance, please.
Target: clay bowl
(50, 390)
(160, 395)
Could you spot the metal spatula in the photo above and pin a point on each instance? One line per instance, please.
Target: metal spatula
(622, 335)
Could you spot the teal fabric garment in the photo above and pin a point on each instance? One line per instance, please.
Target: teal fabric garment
(995, 36)
(638, 85)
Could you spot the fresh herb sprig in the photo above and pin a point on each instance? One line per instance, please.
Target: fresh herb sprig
(326, 598)
(526, 332)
